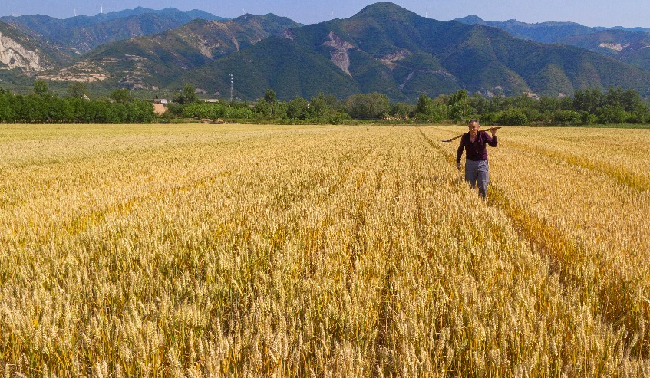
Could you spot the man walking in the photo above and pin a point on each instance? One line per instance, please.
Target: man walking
(475, 142)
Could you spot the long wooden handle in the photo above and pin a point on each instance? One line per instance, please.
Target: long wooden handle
(458, 136)
(454, 138)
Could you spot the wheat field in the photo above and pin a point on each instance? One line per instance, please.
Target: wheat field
(321, 251)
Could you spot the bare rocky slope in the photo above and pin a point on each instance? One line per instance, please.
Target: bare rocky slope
(20, 51)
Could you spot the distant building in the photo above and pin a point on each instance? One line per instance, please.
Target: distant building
(160, 106)
(531, 95)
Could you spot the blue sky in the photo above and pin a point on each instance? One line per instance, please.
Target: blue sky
(608, 13)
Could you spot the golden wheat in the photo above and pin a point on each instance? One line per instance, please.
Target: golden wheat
(238, 250)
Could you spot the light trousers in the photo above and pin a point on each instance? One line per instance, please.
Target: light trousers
(477, 173)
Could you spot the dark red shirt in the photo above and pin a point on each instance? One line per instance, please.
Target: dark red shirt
(477, 150)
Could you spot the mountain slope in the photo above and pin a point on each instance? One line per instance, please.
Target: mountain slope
(625, 44)
(278, 63)
(81, 34)
(545, 32)
(388, 49)
(632, 47)
(384, 48)
(20, 51)
(155, 61)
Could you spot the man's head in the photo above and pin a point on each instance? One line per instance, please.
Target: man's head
(473, 126)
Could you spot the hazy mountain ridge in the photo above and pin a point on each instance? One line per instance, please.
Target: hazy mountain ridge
(545, 32)
(629, 45)
(80, 34)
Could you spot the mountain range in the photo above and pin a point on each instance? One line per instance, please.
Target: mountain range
(630, 45)
(80, 34)
(384, 48)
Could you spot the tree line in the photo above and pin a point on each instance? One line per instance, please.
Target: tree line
(586, 107)
(589, 106)
(44, 107)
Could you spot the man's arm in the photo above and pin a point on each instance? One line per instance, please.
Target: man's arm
(492, 140)
(459, 152)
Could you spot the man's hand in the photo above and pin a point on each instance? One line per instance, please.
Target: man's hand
(494, 131)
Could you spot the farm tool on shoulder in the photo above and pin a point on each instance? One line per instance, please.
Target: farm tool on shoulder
(458, 136)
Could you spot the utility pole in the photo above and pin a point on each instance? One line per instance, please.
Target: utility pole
(232, 87)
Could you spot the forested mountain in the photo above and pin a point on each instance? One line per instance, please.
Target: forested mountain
(384, 48)
(545, 32)
(80, 34)
(388, 49)
(630, 45)
(155, 61)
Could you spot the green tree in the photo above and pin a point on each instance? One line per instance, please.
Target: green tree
(611, 114)
(459, 106)
(588, 100)
(631, 101)
(121, 96)
(187, 95)
(401, 111)
(322, 106)
(262, 109)
(272, 100)
(368, 106)
(138, 111)
(613, 97)
(41, 88)
(430, 110)
(36, 106)
(479, 103)
(270, 96)
(77, 90)
(297, 108)
(423, 105)
(566, 117)
(512, 117)
(7, 106)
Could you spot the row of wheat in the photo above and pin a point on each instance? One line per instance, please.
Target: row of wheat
(203, 250)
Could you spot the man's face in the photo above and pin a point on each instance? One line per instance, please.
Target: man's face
(473, 128)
